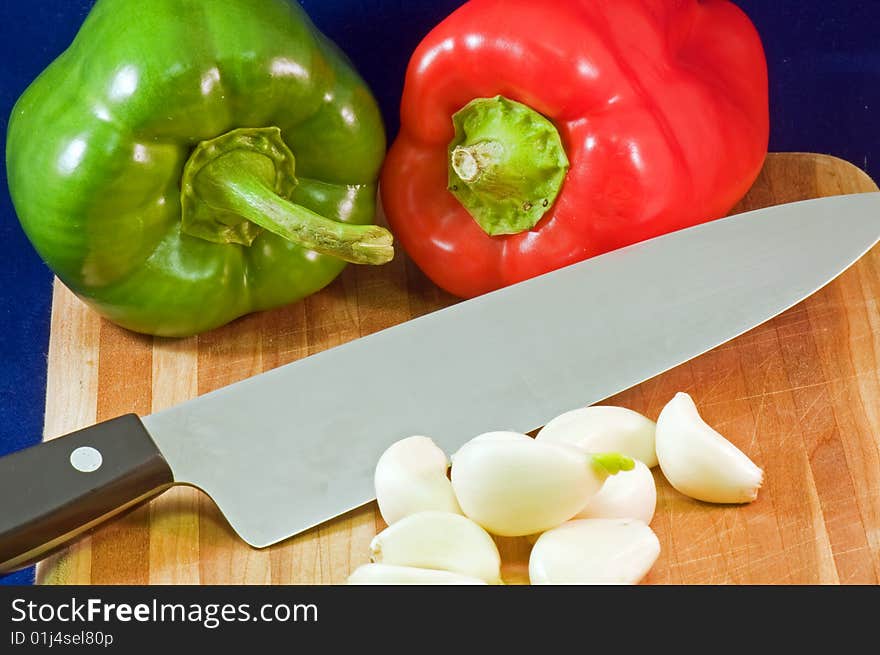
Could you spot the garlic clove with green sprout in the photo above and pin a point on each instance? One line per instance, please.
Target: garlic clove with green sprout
(594, 551)
(698, 461)
(627, 495)
(390, 574)
(497, 435)
(501, 435)
(439, 540)
(518, 486)
(602, 428)
(411, 477)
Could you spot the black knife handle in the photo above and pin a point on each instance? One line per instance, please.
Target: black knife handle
(54, 492)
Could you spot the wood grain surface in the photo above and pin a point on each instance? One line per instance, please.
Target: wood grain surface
(800, 394)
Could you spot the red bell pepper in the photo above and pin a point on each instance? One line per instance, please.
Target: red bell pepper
(538, 134)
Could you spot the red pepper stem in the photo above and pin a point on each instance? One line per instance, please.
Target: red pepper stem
(237, 185)
(506, 164)
(470, 163)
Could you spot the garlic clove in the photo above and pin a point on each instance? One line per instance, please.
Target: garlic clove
(698, 461)
(627, 495)
(411, 477)
(439, 540)
(388, 574)
(499, 435)
(601, 428)
(594, 551)
(519, 486)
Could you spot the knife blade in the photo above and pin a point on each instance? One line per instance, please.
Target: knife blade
(293, 447)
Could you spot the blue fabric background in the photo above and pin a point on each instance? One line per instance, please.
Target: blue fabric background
(824, 59)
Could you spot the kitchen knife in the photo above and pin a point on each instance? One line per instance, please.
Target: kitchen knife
(290, 448)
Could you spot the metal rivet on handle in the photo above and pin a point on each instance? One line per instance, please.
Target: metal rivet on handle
(86, 459)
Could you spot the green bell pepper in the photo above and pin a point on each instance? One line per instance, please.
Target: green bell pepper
(186, 162)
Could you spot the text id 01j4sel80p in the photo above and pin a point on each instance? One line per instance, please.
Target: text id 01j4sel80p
(55, 638)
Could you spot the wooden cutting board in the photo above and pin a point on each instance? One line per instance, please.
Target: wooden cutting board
(800, 394)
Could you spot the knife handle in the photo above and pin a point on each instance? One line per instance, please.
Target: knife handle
(54, 492)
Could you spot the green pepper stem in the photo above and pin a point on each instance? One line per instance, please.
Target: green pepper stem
(231, 182)
(237, 184)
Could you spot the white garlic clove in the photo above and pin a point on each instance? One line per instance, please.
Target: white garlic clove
(498, 435)
(439, 540)
(519, 486)
(601, 429)
(388, 574)
(594, 551)
(698, 461)
(411, 477)
(627, 495)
